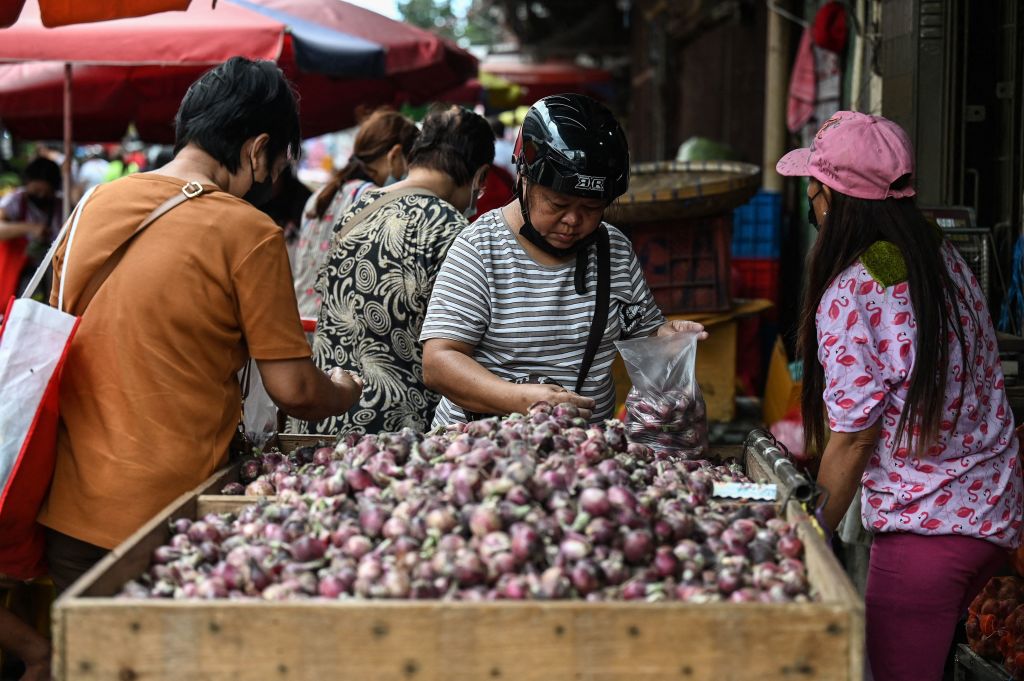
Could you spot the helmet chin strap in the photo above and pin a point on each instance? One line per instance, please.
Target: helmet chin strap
(581, 249)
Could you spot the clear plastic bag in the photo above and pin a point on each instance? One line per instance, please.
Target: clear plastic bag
(259, 413)
(665, 409)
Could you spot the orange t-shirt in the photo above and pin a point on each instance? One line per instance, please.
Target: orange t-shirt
(149, 397)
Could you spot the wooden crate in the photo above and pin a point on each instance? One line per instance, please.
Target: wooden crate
(97, 636)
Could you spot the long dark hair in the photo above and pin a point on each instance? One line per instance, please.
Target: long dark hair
(378, 134)
(851, 227)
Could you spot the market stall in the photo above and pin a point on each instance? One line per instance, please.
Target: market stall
(109, 626)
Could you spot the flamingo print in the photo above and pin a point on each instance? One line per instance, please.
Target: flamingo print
(842, 401)
(905, 344)
(967, 513)
(909, 511)
(900, 293)
(851, 319)
(927, 523)
(835, 309)
(972, 491)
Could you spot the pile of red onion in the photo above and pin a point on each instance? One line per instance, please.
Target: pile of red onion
(674, 421)
(535, 506)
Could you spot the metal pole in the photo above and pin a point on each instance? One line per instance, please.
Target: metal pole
(67, 141)
(775, 93)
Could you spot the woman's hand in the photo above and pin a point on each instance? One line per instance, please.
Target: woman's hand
(349, 381)
(15, 230)
(531, 393)
(681, 326)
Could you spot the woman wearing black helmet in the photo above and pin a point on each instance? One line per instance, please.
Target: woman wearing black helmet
(533, 296)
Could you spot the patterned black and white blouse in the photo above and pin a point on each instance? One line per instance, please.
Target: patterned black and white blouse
(375, 285)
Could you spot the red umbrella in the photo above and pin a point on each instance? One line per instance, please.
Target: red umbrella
(137, 69)
(64, 12)
(329, 37)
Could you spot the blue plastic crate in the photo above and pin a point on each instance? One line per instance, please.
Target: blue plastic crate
(757, 227)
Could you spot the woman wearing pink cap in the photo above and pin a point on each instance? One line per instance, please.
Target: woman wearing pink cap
(900, 357)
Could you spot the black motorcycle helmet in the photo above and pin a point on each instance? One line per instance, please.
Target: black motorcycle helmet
(572, 144)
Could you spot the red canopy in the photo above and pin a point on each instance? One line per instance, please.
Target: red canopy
(106, 99)
(338, 55)
(64, 12)
(549, 78)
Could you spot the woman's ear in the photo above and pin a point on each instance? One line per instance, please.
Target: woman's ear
(828, 193)
(397, 163)
(256, 153)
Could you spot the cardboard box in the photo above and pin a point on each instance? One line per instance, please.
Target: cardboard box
(781, 392)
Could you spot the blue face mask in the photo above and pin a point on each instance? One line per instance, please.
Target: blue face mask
(391, 179)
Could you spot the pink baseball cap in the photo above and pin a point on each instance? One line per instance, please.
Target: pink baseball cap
(856, 154)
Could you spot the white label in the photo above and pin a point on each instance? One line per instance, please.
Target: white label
(590, 183)
(745, 490)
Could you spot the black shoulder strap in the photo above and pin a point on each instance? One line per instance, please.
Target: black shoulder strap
(600, 322)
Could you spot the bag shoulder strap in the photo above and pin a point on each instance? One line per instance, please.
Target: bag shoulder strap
(375, 205)
(37, 278)
(189, 191)
(600, 321)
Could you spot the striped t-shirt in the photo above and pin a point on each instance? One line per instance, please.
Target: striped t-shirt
(525, 318)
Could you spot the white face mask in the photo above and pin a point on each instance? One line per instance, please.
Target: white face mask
(475, 192)
(471, 208)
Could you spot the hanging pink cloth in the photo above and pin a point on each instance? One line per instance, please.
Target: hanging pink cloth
(802, 85)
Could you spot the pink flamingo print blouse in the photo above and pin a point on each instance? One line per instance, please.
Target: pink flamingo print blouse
(969, 482)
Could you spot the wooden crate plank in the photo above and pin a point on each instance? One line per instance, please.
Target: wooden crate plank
(224, 503)
(289, 442)
(831, 583)
(456, 642)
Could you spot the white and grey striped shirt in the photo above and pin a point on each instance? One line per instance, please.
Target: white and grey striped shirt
(525, 318)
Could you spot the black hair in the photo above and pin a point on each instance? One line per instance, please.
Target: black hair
(852, 226)
(455, 141)
(45, 170)
(234, 102)
(497, 127)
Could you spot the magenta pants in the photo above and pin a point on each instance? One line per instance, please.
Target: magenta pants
(918, 588)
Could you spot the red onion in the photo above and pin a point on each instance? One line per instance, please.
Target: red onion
(259, 488)
(665, 563)
(637, 546)
(790, 546)
(595, 501)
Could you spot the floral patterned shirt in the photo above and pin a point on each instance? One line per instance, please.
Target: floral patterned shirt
(315, 236)
(969, 483)
(375, 285)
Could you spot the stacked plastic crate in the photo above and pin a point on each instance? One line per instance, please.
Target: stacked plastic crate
(756, 246)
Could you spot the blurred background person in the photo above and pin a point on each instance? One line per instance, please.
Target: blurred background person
(379, 158)
(30, 218)
(287, 203)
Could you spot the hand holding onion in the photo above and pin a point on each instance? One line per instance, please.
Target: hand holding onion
(532, 393)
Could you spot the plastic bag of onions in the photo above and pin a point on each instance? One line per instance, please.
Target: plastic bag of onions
(665, 409)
